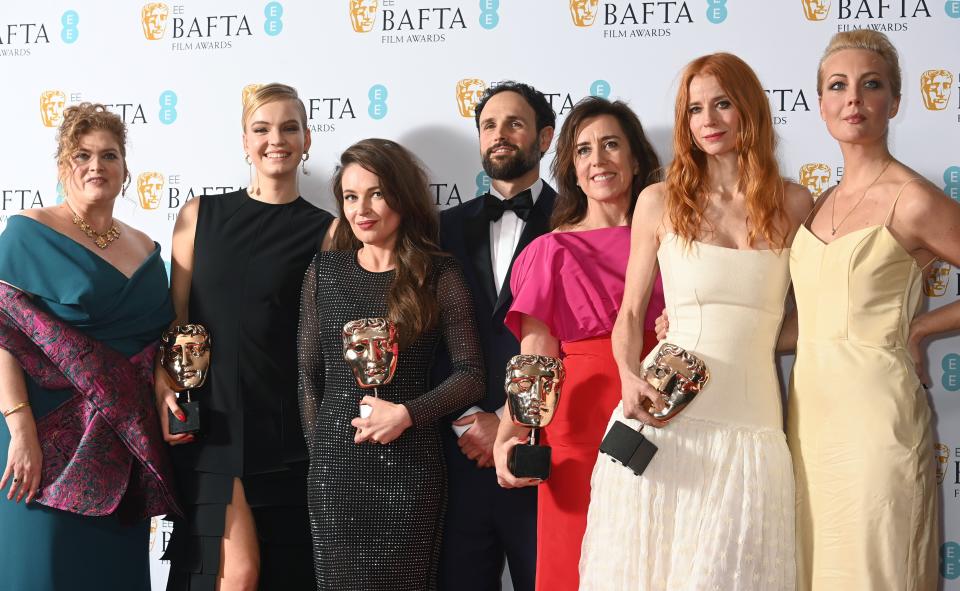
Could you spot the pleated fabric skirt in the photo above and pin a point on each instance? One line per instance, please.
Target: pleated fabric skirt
(279, 506)
(713, 510)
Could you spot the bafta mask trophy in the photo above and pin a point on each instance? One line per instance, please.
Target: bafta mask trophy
(185, 354)
(370, 349)
(533, 384)
(679, 376)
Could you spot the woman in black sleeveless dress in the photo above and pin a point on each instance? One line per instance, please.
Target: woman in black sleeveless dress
(377, 485)
(238, 264)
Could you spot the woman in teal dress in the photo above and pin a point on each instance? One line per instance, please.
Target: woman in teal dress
(84, 466)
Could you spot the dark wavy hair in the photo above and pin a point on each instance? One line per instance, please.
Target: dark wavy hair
(571, 203)
(545, 117)
(411, 302)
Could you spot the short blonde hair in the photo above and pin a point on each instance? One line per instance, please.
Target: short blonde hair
(78, 121)
(870, 40)
(269, 93)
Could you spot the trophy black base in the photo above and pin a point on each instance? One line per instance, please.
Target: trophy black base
(191, 426)
(628, 447)
(529, 461)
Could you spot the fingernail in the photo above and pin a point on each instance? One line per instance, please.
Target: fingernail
(180, 416)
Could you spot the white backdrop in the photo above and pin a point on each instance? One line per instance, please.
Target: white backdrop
(411, 70)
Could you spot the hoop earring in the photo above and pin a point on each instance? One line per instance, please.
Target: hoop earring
(126, 185)
(303, 163)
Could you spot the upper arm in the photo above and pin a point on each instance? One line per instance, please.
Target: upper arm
(644, 242)
(925, 219)
(181, 267)
(798, 202)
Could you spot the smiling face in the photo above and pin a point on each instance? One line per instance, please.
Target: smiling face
(714, 120)
(275, 139)
(604, 163)
(509, 143)
(366, 209)
(856, 100)
(95, 171)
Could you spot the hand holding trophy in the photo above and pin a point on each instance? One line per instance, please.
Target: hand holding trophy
(370, 349)
(185, 355)
(679, 376)
(533, 384)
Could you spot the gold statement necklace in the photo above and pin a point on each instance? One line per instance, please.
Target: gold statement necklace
(833, 210)
(101, 240)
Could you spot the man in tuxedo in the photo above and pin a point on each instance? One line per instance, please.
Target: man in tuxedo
(484, 523)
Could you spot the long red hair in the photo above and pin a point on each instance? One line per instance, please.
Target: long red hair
(759, 178)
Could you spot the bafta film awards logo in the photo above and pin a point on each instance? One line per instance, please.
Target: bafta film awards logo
(153, 19)
(935, 85)
(52, 103)
(469, 92)
(816, 177)
(584, 12)
(150, 188)
(937, 279)
(363, 15)
(248, 91)
(816, 10)
(942, 454)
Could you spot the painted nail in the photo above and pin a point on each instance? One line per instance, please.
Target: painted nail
(180, 416)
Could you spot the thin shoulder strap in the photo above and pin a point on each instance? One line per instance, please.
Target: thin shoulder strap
(817, 205)
(897, 198)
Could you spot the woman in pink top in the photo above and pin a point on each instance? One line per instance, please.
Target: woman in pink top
(567, 287)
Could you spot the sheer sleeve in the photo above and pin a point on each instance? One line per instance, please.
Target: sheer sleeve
(309, 356)
(466, 383)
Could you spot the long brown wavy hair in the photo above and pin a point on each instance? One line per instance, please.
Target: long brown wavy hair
(571, 204)
(759, 178)
(412, 301)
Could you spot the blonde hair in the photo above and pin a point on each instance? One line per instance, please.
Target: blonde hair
(869, 40)
(759, 177)
(78, 121)
(269, 93)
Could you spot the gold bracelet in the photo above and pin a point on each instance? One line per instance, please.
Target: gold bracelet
(10, 411)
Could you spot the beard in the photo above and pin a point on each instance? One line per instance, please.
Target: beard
(522, 161)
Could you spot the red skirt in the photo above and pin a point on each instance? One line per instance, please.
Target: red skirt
(590, 393)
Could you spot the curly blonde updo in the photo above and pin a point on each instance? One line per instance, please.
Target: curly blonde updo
(78, 121)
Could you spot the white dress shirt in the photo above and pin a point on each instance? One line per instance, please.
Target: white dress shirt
(505, 236)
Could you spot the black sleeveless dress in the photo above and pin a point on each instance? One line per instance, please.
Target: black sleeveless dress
(249, 263)
(377, 510)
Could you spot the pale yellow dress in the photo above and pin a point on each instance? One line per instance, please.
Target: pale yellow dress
(858, 422)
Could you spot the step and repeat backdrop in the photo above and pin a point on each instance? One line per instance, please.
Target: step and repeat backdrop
(413, 70)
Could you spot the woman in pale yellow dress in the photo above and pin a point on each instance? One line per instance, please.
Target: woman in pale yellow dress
(858, 420)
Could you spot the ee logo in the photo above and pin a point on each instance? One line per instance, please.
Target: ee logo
(483, 183)
(951, 180)
(488, 13)
(69, 20)
(953, 8)
(600, 88)
(273, 25)
(950, 560)
(168, 107)
(378, 101)
(717, 11)
(951, 372)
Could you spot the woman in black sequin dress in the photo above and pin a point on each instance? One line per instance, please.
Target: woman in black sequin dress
(377, 486)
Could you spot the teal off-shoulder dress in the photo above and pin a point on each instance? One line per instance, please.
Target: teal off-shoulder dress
(45, 549)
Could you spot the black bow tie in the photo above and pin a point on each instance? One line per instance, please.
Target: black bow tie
(520, 204)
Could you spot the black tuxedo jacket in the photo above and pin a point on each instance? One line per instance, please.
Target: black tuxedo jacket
(465, 233)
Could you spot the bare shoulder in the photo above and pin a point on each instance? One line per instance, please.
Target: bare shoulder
(652, 199)
(797, 201)
(188, 213)
(920, 201)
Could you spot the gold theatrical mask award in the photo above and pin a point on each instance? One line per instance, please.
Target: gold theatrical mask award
(936, 279)
(185, 354)
(679, 376)
(363, 15)
(370, 349)
(52, 104)
(936, 85)
(533, 384)
(816, 177)
(469, 93)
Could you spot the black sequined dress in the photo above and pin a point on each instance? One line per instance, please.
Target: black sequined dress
(376, 511)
